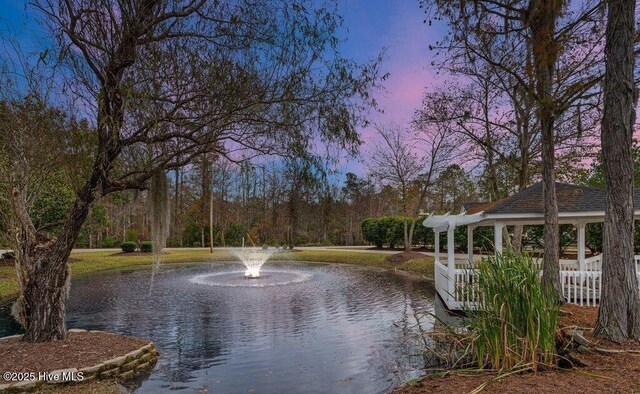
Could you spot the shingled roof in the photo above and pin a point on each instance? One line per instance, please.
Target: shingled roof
(571, 198)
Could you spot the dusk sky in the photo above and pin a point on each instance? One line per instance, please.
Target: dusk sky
(370, 26)
(397, 26)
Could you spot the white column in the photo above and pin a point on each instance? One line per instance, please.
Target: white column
(581, 226)
(436, 235)
(497, 238)
(470, 244)
(451, 261)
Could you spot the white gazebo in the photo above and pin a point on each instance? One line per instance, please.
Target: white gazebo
(577, 205)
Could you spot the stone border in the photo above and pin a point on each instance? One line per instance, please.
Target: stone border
(123, 367)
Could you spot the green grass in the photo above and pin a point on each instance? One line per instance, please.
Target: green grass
(93, 262)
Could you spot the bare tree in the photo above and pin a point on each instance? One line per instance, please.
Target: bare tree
(558, 37)
(410, 164)
(166, 82)
(619, 312)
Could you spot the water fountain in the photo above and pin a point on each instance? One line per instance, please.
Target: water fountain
(253, 259)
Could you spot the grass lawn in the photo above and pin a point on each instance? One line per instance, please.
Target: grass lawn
(89, 262)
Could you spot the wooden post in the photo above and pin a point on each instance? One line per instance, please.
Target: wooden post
(497, 237)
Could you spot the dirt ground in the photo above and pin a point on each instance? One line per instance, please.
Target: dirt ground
(403, 257)
(79, 350)
(605, 373)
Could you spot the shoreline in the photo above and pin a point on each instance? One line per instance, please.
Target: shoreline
(85, 263)
(606, 367)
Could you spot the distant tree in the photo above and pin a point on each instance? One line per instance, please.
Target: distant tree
(166, 82)
(548, 49)
(353, 192)
(594, 176)
(454, 187)
(302, 176)
(410, 165)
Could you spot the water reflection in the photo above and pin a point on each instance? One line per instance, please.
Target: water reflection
(345, 329)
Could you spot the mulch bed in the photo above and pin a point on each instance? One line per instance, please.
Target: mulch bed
(78, 350)
(399, 258)
(605, 373)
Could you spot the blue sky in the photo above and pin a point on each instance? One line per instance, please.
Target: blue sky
(396, 25)
(370, 26)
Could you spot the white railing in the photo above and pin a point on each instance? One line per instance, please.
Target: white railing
(462, 293)
(581, 287)
(578, 287)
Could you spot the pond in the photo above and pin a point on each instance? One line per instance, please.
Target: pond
(302, 327)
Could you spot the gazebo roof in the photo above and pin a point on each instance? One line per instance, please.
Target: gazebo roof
(571, 199)
(575, 204)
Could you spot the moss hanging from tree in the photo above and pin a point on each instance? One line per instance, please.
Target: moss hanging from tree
(159, 213)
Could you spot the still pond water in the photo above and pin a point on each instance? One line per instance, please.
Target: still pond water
(312, 328)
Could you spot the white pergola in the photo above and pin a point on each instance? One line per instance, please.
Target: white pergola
(447, 223)
(577, 205)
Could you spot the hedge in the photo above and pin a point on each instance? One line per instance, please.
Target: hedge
(128, 247)
(146, 247)
(389, 230)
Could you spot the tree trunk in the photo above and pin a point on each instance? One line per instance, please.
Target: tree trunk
(44, 271)
(543, 15)
(506, 237)
(411, 231)
(551, 265)
(516, 240)
(211, 222)
(293, 217)
(619, 313)
(407, 237)
(44, 300)
(44, 278)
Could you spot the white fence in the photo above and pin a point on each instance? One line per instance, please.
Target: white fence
(578, 287)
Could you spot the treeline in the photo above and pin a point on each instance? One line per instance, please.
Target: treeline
(388, 231)
(275, 203)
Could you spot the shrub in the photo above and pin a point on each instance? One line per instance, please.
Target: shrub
(371, 232)
(482, 238)
(384, 230)
(131, 235)
(108, 242)
(196, 244)
(128, 247)
(234, 234)
(515, 322)
(422, 235)
(395, 230)
(146, 247)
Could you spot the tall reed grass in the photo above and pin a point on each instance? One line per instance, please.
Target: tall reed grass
(514, 324)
